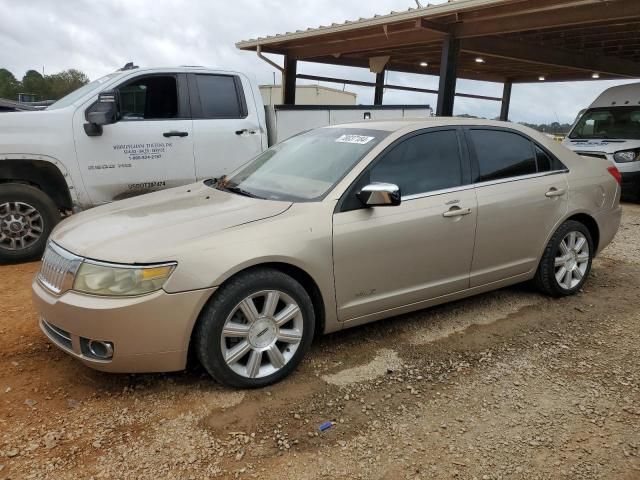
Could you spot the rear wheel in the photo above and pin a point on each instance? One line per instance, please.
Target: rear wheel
(27, 216)
(255, 330)
(566, 261)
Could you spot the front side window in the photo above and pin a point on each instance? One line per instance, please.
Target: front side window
(621, 123)
(502, 154)
(149, 98)
(424, 163)
(219, 96)
(305, 167)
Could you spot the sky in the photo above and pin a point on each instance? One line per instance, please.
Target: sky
(100, 36)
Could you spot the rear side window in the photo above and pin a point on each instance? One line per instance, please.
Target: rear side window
(502, 154)
(546, 162)
(220, 96)
(423, 163)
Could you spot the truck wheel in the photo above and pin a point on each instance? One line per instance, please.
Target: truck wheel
(27, 216)
(255, 330)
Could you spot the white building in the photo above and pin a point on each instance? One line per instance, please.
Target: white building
(309, 95)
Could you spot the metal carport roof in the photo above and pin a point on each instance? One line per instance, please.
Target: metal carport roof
(508, 41)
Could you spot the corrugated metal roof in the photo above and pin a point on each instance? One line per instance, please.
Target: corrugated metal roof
(427, 11)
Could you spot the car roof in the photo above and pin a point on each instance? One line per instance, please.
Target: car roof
(430, 122)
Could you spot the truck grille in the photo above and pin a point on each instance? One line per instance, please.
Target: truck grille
(58, 269)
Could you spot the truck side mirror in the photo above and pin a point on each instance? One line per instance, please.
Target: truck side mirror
(103, 111)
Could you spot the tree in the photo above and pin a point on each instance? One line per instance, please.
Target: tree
(33, 82)
(9, 85)
(60, 84)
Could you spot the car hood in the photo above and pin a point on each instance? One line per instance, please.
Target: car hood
(154, 227)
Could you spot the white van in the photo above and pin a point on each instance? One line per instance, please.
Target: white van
(138, 130)
(610, 128)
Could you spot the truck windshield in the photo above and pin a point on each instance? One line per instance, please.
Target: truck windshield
(305, 167)
(82, 91)
(622, 123)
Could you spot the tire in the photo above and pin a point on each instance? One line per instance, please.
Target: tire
(246, 356)
(574, 262)
(27, 217)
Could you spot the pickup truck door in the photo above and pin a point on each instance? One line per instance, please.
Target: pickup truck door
(226, 124)
(149, 148)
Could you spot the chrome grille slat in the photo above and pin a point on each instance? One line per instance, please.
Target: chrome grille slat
(58, 269)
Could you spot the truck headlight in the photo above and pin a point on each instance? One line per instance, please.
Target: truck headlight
(626, 156)
(120, 280)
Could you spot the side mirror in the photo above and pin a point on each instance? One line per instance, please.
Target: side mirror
(380, 195)
(103, 111)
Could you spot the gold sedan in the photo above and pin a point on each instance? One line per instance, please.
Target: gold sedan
(327, 230)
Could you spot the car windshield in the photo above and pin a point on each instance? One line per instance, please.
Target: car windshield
(622, 123)
(305, 167)
(81, 92)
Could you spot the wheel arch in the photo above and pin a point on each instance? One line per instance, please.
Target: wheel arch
(47, 175)
(295, 272)
(591, 224)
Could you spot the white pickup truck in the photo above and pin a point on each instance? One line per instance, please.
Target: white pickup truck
(135, 131)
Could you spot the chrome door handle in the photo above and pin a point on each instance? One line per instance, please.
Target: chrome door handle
(555, 192)
(456, 212)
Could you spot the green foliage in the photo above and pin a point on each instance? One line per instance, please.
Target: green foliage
(9, 86)
(48, 87)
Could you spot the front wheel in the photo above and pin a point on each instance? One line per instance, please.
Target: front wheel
(566, 261)
(255, 330)
(27, 216)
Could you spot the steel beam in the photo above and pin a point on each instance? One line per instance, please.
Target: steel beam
(289, 81)
(506, 101)
(448, 73)
(379, 92)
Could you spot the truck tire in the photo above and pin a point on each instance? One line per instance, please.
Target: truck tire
(27, 216)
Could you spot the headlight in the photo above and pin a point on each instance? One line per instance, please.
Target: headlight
(116, 280)
(626, 156)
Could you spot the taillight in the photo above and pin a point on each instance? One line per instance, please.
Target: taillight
(615, 173)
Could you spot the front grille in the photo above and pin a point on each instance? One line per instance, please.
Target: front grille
(58, 269)
(59, 336)
(593, 154)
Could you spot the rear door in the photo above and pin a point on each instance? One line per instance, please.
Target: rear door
(388, 257)
(149, 148)
(226, 125)
(522, 195)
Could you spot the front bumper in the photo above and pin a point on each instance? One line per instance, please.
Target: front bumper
(149, 333)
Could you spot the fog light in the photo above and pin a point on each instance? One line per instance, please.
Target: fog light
(101, 350)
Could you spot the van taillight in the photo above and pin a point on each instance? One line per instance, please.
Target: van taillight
(615, 173)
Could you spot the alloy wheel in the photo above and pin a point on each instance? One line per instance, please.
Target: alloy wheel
(262, 334)
(21, 225)
(572, 260)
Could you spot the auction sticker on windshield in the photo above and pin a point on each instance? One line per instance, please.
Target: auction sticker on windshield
(358, 139)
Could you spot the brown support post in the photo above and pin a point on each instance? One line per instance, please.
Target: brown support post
(289, 81)
(379, 92)
(448, 73)
(506, 101)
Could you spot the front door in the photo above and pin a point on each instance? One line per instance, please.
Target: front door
(226, 127)
(149, 148)
(389, 257)
(522, 195)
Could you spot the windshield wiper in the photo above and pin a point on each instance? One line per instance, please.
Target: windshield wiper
(239, 191)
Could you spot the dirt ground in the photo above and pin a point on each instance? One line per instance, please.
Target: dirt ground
(504, 385)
